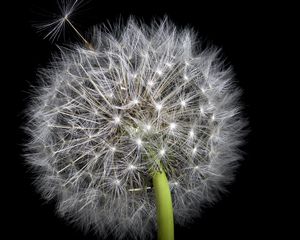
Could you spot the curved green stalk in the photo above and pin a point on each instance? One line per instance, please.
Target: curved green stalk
(164, 208)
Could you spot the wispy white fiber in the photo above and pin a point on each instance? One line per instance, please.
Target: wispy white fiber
(52, 28)
(101, 114)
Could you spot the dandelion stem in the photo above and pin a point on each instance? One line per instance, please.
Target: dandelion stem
(164, 208)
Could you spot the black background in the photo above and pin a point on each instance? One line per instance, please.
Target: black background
(247, 35)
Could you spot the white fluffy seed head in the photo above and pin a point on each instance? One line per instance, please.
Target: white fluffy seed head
(92, 142)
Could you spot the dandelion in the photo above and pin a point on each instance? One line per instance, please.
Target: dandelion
(121, 153)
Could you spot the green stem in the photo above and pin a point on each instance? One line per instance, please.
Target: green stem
(164, 209)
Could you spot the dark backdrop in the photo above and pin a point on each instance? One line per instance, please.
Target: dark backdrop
(244, 32)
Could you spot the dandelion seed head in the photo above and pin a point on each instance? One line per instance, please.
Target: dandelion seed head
(102, 116)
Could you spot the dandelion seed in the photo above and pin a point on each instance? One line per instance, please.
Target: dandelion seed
(162, 152)
(135, 101)
(194, 150)
(139, 142)
(159, 72)
(150, 83)
(53, 28)
(132, 167)
(148, 127)
(183, 103)
(172, 126)
(117, 119)
(202, 110)
(158, 106)
(110, 95)
(113, 149)
(169, 64)
(192, 134)
(176, 183)
(117, 182)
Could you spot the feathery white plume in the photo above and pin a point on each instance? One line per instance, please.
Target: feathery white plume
(101, 114)
(53, 28)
